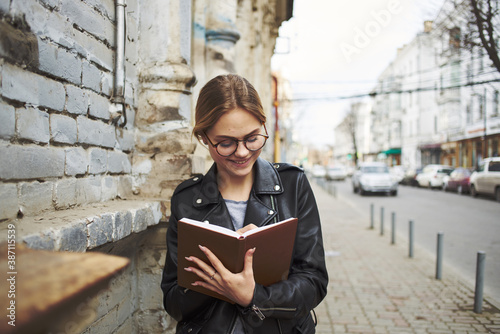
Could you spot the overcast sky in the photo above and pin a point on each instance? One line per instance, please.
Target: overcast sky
(338, 49)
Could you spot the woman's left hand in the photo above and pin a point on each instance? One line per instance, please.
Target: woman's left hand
(237, 287)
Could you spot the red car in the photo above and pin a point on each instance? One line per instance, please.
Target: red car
(458, 181)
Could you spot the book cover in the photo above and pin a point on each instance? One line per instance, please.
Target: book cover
(271, 262)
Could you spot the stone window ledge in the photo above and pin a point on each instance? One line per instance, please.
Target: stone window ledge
(84, 228)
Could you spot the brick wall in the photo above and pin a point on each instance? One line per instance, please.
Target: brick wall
(58, 143)
(75, 174)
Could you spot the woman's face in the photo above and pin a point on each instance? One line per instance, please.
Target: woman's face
(235, 124)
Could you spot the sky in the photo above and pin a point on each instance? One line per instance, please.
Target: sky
(337, 49)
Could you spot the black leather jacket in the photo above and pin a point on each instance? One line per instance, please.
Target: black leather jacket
(280, 191)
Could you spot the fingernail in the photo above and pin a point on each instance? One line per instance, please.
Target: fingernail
(188, 258)
(201, 247)
(188, 269)
(194, 284)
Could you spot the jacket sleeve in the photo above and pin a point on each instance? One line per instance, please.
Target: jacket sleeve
(180, 303)
(307, 281)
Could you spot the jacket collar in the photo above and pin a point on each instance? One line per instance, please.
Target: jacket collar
(267, 181)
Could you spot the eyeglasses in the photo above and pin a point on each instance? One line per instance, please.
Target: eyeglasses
(252, 143)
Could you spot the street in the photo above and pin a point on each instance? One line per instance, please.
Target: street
(469, 225)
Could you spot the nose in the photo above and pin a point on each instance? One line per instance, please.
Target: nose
(241, 150)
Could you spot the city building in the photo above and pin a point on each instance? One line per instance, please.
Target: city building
(437, 102)
(96, 113)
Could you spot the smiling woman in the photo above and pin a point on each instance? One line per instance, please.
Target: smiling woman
(241, 192)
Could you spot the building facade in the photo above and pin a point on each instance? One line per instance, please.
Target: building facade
(96, 112)
(438, 101)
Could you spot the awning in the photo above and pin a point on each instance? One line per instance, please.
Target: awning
(392, 151)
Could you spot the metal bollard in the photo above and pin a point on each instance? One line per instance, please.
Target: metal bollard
(439, 260)
(372, 224)
(393, 228)
(382, 221)
(478, 293)
(410, 252)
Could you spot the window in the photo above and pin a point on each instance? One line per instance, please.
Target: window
(494, 166)
(495, 103)
(468, 114)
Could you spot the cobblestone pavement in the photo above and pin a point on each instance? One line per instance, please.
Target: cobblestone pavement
(375, 287)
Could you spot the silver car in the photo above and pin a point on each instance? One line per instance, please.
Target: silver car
(486, 180)
(374, 177)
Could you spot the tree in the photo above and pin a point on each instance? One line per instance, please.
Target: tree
(350, 124)
(484, 26)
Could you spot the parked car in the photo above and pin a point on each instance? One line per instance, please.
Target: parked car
(410, 177)
(398, 172)
(432, 175)
(457, 181)
(486, 179)
(373, 177)
(318, 171)
(336, 173)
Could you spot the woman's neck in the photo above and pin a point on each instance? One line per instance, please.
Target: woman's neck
(235, 188)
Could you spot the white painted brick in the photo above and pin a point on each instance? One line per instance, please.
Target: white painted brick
(59, 62)
(106, 7)
(78, 100)
(98, 106)
(33, 124)
(88, 190)
(100, 230)
(65, 193)
(28, 87)
(35, 197)
(95, 132)
(30, 162)
(9, 204)
(77, 161)
(60, 30)
(118, 162)
(86, 18)
(123, 225)
(125, 186)
(107, 83)
(7, 121)
(50, 3)
(92, 49)
(91, 76)
(33, 12)
(125, 140)
(98, 161)
(63, 129)
(109, 188)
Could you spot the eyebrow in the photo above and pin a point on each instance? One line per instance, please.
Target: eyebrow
(223, 137)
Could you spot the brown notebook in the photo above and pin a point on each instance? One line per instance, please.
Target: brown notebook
(271, 260)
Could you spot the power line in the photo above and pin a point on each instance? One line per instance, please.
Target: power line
(402, 91)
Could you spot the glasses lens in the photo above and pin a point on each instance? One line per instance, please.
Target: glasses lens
(255, 143)
(226, 147)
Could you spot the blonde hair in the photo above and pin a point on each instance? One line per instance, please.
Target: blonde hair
(221, 95)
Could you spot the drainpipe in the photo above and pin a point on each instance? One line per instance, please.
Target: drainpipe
(277, 139)
(119, 84)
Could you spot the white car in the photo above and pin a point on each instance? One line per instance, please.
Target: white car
(486, 180)
(336, 173)
(432, 175)
(374, 177)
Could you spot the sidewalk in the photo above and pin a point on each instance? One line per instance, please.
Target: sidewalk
(376, 288)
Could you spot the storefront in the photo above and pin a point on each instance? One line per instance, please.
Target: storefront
(430, 154)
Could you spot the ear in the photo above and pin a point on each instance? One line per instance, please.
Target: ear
(203, 139)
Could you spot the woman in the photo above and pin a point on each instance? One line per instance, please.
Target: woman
(242, 191)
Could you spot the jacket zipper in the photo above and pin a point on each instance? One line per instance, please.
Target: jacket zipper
(261, 316)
